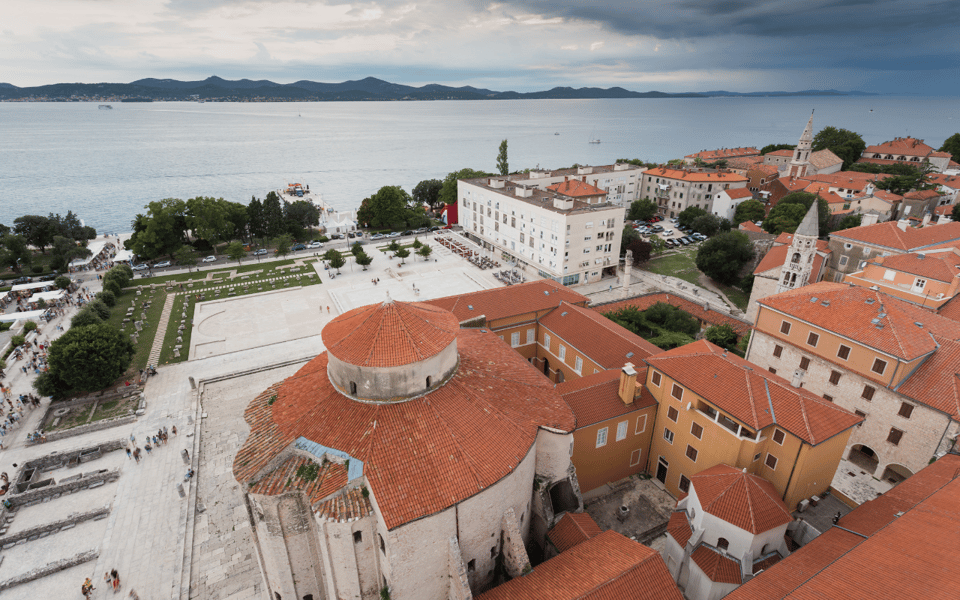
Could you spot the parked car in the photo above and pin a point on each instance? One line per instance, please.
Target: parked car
(422, 230)
(377, 236)
(670, 243)
(407, 232)
(314, 245)
(21, 280)
(210, 258)
(260, 252)
(49, 277)
(435, 228)
(338, 236)
(667, 232)
(395, 234)
(144, 267)
(299, 247)
(161, 265)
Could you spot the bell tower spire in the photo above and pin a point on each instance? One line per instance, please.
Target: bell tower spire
(801, 154)
(803, 249)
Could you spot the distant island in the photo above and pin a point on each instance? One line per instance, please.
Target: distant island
(216, 89)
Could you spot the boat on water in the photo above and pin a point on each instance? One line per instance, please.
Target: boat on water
(105, 107)
(595, 141)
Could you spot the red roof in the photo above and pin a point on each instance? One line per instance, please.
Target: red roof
(907, 146)
(390, 334)
(597, 337)
(286, 478)
(940, 266)
(750, 226)
(784, 152)
(504, 302)
(596, 398)
(422, 455)
(573, 529)
(777, 256)
(741, 499)
(712, 155)
(711, 176)
(754, 396)
(950, 181)
(606, 567)
(679, 527)
(717, 567)
(737, 193)
(936, 382)
(871, 318)
(576, 189)
(697, 311)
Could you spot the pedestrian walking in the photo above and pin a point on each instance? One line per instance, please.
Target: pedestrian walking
(173, 430)
(147, 447)
(116, 580)
(186, 455)
(129, 454)
(133, 595)
(87, 588)
(107, 579)
(136, 455)
(328, 310)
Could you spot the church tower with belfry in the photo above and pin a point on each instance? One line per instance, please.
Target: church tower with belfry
(801, 154)
(803, 249)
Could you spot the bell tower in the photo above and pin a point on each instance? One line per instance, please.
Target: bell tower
(801, 154)
(799, 264)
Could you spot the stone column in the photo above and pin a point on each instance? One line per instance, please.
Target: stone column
(627, 268)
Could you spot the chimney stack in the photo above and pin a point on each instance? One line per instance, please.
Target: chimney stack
(797, 378)
(902, 224)
(926, 220)
(628, 383)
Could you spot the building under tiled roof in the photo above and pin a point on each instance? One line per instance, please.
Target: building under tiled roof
(597, 337)
(596, 397)
(897, 546)
(906, 146)
(694, 175)
(822, 159)
(679, 527)
(753, 396)
(713, 155)
(889, 235)
(777, 256)
(738, 193)
(750, 226)
(936, 382)
(576, 188)
(345, 507)
(941, 265)
(718, 567)
(606, 567)
(742, 499)
(421, 455)
(288, 477)
(506, 302)
(390, 334)
(890, 325)
(573, 529)
(700, 312)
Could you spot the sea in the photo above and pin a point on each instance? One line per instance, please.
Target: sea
(106, 165)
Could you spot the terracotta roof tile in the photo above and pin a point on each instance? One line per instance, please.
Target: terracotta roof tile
(710, 317)
(595, 398)
(749, 394)
(950, 181)
(713, 155)
(597, 337)
(719, 568)
(390, 334)
(504, 302)
(906, 146)
(573, 529)
(785, 152)
(330, 477)
(851, 310)
(606, 567)
(763, 170)
(821, 159)
(889, 235)
(936, 383)
(576, 188)
(750, 226)
(763, 564)
(941, 265)
(345, 507)
(922, 195)
(685, 175)
(423, 455)
(777, 256)
(679, 527)
(741, 499)
(738, 193)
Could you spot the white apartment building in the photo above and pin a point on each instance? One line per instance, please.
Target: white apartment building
(620, 181)
(674, 189)
(570, 234)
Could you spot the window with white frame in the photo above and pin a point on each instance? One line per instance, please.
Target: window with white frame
(641, 425)
(668, 435)
(635, 457)
(515, 339)
(562, 352)
(602, 437)
(531, 335)
(621, 430)
(546, 341)
(578, 365)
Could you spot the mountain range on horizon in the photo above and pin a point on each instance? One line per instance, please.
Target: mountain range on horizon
(369, 89)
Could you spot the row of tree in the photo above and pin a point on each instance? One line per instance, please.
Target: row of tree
(65, 236)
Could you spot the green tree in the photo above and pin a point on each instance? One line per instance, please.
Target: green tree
(721, 335)
(912, 179)
(850, 221)
(394, 246)
(255, 221)
(386, 208)
(16, 252)
(627, 237)
(62, 282)
(363, 259)
(425, 251)
(330, 254)
(84, 318)
(502, 165)
(749, 210)
(846, 144)
(159, 232)
(706, 224)
(236, 252)
(657, 244)
(428, 192)
(774, 147)
(208, 219)
(113, 288)
(955, 213)
(448, 193)
(64, 250)
(37, 230)
(417, 243)
(301, 215)
(641, 251)
(107, 297)
(356, 249)
(47, 384)
(688, 215)
(184, 256)
(952, 145)
(787, 214)
(337, 261)
(722, 256)
(71, 227)
(90, 358)
(273, 224)
(725, 225)
(402, 253)
(642, 210)
(283, 243)
(743, 343)
(30, 326)
(102, 310)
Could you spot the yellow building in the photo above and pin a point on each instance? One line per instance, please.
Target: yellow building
(715, 407)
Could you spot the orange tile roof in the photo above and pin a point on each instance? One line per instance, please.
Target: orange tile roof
(852, 180)
(822, 159)
(787, 238)
(784, 152)
(922, 195)
(724, 153)
(941, 266)
(765, 170)
(950, 181)
(750, 226)
(710, 317)
(504, 302)
(422, 455)
(345, 507)
(951, 309)
(390, 334)
(741, 499)
(597, 337)
(685, 175)
(576, 188)
(936, 382)
(881, 194)
(777, 256)
(595, 398)
(765, 563)
(284, 479)
(753, 396)
(850, 311)
(606, 567)
(906, 146)
(737, 193)
(679, 527)
(717, 567)
(573, 529)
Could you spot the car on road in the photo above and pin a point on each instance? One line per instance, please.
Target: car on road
(667, 232)
(314, 245)
(160, 265)
(49, 277)
(395, 234)
(260, 252)
(141, 267)
(422, 230)
(21, 280)
(299, 247)
(210, 258)
(377, 236)
(435, 228)
(407, 232)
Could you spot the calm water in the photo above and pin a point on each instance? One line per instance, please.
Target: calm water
(106, 164)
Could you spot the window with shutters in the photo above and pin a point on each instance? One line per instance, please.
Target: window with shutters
(692, 453)
(828, 397)
(879, 366)
(772, 370)
(834, 377)
(771, 461)
(804, 363)
(655, 378)
(905, 410)
(672, 414)
(778, 436)
(843, 352)
(697, 430)
(813, 339)
(785, 328)
(677, 392)
(777, 351)
(868, 392)
(894, 436)
(684, 484)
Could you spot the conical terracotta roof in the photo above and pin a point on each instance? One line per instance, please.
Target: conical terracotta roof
(390, 334)
(739, 498)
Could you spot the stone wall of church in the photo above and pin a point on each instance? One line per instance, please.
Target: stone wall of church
(385, 383)
(288, 545)
(349, 553)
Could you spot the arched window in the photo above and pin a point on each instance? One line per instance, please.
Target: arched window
(429, 381)
(796, 258)
(353, 388)
(722, 543)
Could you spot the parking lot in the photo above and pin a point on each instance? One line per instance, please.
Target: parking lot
(669, 231)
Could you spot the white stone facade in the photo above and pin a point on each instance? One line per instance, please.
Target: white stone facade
(620, 181)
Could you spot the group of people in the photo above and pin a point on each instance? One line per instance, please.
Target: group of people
(112, 578)
(12, 413)
(153, 441)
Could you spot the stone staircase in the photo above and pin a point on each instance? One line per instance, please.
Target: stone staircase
(161, 330)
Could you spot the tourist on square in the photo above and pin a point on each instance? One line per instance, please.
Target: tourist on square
(116, 580)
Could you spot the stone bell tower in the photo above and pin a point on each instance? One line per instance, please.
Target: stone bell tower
(799, 264)
(801, 154)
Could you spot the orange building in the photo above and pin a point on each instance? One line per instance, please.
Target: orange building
(615, 419)
(715, 407)
(930, 278)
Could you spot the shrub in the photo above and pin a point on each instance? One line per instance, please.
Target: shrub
(99, 308)
(90, 358)
(108, 298)
(62, 282)
(17, 340)
(112, 287)
(36, 269)
(29, 326)
(84, 318)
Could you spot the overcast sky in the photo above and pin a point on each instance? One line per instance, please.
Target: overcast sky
(886, 46)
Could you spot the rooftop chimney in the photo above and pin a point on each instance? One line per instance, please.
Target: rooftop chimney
(797, 378)
(926, 220)
(628, 383)
(902, 224)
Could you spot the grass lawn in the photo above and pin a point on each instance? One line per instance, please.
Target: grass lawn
(736, 295)
(145, 338)
(677, 263)
(80, 415)
(221, 272)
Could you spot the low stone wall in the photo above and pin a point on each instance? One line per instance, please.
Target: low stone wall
(96, 478)
(95, 426)
(64, 458)
(9, 541)
(100, 397)
(50, 569)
